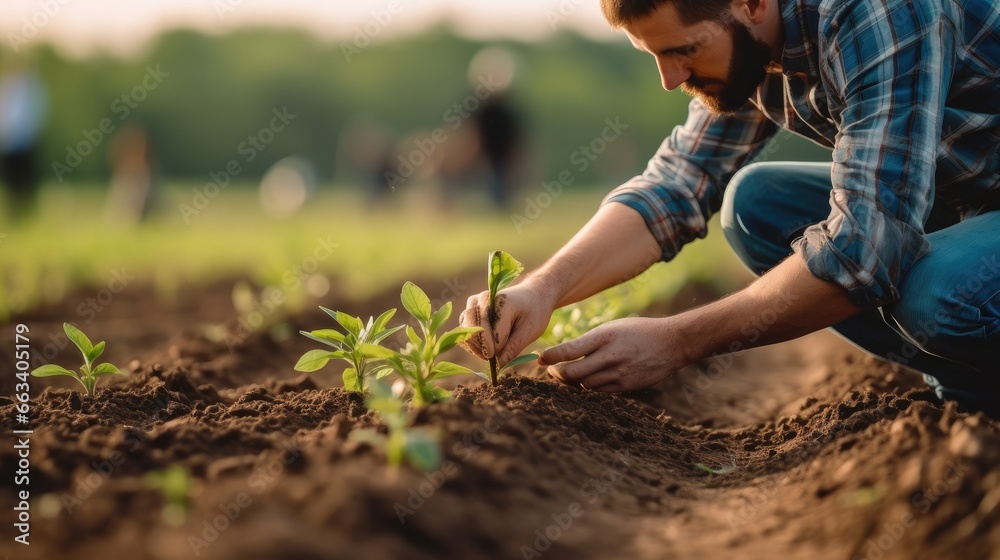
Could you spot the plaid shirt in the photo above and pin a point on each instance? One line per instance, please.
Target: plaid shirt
(907, 95)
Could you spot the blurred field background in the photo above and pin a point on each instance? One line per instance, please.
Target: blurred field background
(180, 95)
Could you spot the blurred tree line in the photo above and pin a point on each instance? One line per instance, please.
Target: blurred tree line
(216, 91)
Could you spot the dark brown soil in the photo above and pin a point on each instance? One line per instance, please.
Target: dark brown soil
(824, 454)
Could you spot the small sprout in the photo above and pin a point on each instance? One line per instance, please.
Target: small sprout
(503, 269)
(175, 483)
(348, 347)
(724, 469)
(511, 365)
(419, 447)
(88, 371)
(418, 361)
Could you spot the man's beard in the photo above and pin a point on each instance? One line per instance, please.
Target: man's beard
(747, 70)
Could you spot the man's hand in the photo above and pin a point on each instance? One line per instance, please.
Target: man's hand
(622, 355)
(523, 313)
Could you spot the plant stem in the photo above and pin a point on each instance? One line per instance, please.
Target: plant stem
(491, 316)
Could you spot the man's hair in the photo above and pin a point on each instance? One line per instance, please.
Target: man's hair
(620, 13)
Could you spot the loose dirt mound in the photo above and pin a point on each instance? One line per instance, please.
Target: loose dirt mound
(820, 453)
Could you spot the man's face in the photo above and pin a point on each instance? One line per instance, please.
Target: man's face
(719, 62)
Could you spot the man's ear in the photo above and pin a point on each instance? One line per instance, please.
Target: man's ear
(755, 11)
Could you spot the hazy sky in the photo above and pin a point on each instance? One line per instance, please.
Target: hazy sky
(121, 25)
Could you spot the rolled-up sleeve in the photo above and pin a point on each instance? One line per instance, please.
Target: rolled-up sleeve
(888, 67)
(682, 186)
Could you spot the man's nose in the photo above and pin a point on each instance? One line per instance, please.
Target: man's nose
(672, 72)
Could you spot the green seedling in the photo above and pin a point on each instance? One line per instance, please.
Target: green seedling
(348, 345)
(418, 362)
(175, 484)
(418, 446)
(724, 469)
(503, 269)
(88, 371)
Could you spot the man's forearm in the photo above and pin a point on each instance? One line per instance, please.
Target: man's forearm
(786, 303)
(613, 247)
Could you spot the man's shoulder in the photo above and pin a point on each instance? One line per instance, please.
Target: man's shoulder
(835, 16)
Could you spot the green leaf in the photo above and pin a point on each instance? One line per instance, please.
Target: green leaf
(78, 338)
(380, 373)
(422, 450)
(351, 324)
(454, 337)
(485, 376)
(428, 394)
(416, 302)
(382, 335)
(370, 436)
(503, 269)
(351, 381)
(413, 336)
(440, 316)
(105, 369)
(329, 337)
(518, 361)
(316, 359)
(383, 319)
(52, 370)
(95, 352)
(447, 369)
(376, 352)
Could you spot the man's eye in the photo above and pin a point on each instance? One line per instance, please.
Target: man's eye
(688, 51)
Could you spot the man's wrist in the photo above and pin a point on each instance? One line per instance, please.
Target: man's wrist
(546, 287)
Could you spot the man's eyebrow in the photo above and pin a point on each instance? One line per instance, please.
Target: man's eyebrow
(678, 49)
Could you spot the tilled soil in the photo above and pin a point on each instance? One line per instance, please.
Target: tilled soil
(818, 453)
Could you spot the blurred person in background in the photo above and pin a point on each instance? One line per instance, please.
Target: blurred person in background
(497, 122)
(23, 111)
(130, 196)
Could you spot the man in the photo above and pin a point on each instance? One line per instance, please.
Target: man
(896, 244)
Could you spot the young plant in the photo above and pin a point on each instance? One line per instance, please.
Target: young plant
(348, 347)
(88, 371)
(418, 446)
(503, 269)
(418, 362)
(175, 483)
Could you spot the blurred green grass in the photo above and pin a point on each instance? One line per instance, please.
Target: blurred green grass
(68, 247)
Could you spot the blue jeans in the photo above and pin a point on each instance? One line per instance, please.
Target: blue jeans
(946, 323)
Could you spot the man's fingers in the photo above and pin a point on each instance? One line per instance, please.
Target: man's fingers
(580, 371)
(480, 344)
(572, 350)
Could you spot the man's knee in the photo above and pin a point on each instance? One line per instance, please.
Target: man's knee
(941, 317)
(748, 219)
